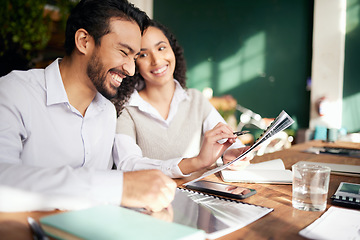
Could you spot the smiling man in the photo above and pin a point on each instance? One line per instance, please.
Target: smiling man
(57, 125)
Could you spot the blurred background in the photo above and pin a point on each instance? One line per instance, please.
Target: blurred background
(252, 59)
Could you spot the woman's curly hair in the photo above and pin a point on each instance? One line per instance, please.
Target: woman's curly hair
(129, 84)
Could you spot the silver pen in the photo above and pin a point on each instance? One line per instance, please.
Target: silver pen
(36, 229)
(240, 133)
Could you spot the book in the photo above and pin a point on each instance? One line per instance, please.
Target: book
(281, 122)
(113, 222)
(272, 172)
(335, 223)
(347, 195)
(217, 216)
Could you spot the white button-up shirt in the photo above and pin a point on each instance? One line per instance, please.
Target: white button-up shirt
(48, 147)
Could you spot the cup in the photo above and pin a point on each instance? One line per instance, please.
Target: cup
(332, 134)
(310, 186)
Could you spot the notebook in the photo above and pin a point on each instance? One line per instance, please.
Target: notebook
(272, 172)
(215, 215)
(112, 222)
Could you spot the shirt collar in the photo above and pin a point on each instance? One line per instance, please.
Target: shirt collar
(56, 93)
(137, 101)
(179, 95)
(55, 90)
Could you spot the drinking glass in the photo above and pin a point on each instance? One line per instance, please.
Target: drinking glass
(310, 186)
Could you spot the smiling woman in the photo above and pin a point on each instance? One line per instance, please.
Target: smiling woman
(166, 126)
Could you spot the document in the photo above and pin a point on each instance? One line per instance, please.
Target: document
(272, 172)
(280, 123)
(336, 223)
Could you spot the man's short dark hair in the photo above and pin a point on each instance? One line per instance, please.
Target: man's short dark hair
(94, 16)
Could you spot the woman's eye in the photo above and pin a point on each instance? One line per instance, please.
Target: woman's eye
(141, 55)
(161, 48)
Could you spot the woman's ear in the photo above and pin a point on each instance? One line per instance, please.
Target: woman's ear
(83, 41)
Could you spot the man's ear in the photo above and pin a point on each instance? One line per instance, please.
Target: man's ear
(83, 41)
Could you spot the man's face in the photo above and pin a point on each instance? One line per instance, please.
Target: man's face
(114, 58)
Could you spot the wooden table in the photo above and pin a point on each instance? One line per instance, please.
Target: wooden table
(283, 223)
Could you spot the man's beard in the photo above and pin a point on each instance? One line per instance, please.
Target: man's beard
(96, 73)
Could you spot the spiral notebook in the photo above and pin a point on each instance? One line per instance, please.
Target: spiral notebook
(215, 215)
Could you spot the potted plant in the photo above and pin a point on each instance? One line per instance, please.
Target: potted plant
(26, 28)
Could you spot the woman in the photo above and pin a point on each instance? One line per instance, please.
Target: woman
(164, 125)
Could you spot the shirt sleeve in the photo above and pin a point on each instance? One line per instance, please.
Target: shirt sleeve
(128, 155)
(91, 185)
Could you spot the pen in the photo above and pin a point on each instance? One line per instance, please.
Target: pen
(36, 229)
(240, 133)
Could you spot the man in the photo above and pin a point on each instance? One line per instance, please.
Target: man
(56, 126)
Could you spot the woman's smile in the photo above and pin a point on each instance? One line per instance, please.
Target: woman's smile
(160, 70)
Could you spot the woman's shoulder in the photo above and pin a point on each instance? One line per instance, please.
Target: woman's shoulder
(193, 92)
(198, 99)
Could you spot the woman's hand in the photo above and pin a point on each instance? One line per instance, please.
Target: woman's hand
(212, 148)
(231, 154)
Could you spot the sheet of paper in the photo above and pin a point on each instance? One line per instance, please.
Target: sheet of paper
(336, 223)
(280, 123)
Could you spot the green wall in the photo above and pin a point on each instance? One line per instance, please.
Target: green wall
(351, 91)
(257, 51)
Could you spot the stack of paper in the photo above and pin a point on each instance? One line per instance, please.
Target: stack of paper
(335, 223)
(266, 172)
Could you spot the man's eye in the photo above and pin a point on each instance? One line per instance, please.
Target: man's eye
(124, 53)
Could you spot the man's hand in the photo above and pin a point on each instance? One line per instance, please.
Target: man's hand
(149, 189)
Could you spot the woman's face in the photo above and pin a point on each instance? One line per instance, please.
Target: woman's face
(156, 62)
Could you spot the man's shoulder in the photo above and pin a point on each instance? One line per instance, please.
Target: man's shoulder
(18, 87)
(18, 77)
